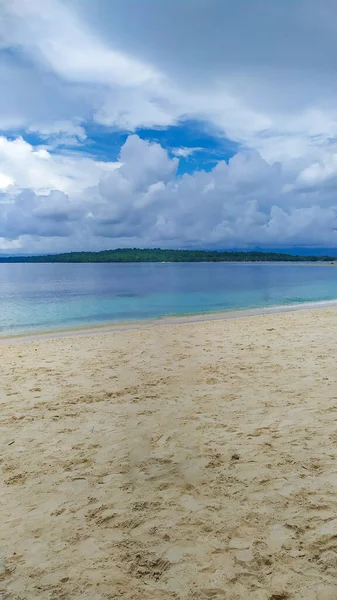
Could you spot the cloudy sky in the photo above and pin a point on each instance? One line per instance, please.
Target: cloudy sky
(173, 123)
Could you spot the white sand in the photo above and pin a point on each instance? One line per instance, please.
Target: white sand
(186, 462)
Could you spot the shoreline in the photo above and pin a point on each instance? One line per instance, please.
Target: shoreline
(172, 462)
(110, 326)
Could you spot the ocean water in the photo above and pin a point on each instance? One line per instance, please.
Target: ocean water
(44, 297)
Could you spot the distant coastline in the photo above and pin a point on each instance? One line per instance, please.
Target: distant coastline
(157, 255)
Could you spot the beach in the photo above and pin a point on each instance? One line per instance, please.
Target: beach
(179, 461)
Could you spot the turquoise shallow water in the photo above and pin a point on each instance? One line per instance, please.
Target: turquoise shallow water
(46, 297)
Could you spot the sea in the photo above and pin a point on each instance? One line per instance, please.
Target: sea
(38, 298)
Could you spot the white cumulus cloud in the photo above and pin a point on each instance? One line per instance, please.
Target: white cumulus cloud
(144, 202)
(23, 166)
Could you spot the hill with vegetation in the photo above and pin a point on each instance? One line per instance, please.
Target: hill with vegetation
(132, 255)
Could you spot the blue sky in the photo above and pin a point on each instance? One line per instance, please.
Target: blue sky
(179, 124)
(200, 147)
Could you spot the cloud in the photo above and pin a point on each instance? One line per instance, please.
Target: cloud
(115, 63)
(57, 39)
(59, 47)
(185, 152)
(42, 216)
(60, 133)
(24, 166)
(244, 202)
(46, 99)
(261, 74)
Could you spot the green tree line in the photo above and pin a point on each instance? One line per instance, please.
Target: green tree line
(125, 255)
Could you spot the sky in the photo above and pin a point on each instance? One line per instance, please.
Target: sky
(171, 123)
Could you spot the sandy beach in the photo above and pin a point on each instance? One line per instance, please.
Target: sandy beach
(187, 461)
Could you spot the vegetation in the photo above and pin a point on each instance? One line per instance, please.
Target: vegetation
(157, 255)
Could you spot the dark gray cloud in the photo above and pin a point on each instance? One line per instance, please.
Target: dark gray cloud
(289, 42)
(33, 97)
(39, 215)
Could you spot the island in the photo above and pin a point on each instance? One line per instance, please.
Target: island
(135, 255)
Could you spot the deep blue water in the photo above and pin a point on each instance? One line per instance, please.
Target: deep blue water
(42, 297)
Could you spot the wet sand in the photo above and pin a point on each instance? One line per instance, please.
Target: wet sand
(182, 461)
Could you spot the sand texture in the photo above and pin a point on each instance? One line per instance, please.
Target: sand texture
(194, 461)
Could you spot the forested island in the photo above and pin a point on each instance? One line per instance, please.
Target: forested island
(132, 255)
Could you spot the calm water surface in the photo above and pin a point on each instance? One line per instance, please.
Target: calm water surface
(42, 297)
